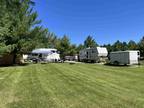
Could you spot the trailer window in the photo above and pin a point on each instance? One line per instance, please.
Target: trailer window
(53, 51)
(40, 55)
(34, 54)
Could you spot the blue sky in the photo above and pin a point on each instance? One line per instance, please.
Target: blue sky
(106, 20)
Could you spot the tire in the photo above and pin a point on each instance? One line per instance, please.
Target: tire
(125, 64)
(116, 63)
(92, 61)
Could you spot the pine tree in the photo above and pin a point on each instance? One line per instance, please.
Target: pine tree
(18, 31)
(90, 42)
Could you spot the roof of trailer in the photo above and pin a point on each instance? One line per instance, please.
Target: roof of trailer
(126, 51)
(44, 50)
(99, 49)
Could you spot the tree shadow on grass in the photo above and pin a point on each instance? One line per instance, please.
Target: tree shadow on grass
(122, 65)
(14, 65)
(113, 65)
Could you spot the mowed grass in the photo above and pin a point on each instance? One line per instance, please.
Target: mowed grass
(71, 86)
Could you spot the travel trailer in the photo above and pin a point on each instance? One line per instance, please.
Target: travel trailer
(45, 54)
(124, 57)
(97, 54)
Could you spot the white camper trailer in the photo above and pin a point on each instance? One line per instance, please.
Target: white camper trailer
(93, 54)
(124, 57)
(45, 54)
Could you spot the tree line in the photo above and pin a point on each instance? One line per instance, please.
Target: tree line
(122, 46)
(21, 32)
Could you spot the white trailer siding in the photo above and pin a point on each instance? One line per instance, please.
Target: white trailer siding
(53, 57)
(124, 57)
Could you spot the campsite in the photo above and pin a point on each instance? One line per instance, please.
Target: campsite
(71, 86)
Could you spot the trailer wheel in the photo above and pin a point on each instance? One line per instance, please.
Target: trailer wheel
(93, 61)
(116, 63)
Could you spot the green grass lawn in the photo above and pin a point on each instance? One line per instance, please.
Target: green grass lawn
(71, 86)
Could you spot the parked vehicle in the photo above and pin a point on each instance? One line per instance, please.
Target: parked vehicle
(124, 57)
(44, 54)
(71, 58)
(97, 54)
